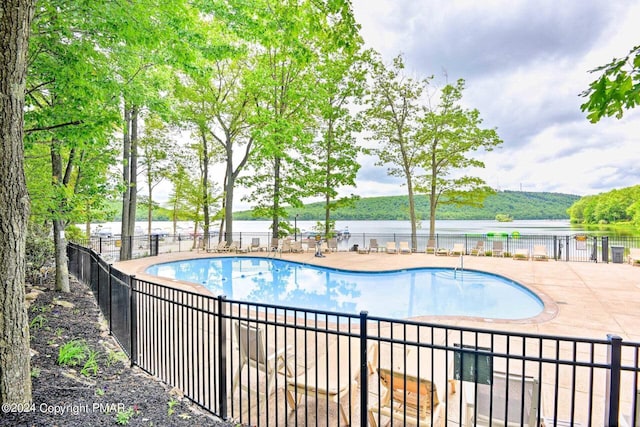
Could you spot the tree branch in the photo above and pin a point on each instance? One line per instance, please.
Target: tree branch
(41, 128)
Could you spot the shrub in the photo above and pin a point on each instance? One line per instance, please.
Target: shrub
(39, 250)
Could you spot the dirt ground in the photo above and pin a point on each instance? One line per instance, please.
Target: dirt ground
(100, 389)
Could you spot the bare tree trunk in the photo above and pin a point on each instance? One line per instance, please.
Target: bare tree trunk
(60, 248)
(59, 243)
(125, 248)
(205, 187)
(133, 187)
(15, 368)
(275, 222)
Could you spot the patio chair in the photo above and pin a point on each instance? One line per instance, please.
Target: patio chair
(478, 249)
(521, 254)
(404, 248)
(391, 248)
(332, 243)
(255, 245)
(275, 244)
(634, 256)
(407, 398)
(221, 247)
(373, 245)
(431, 246)
(286, 245)
(254, 353)
(484, 405)
(458, 249)
(497, 248)
(334, 376)
(540, 253)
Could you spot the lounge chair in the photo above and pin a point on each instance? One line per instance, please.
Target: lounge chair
(458, 249)
(407, 398)
(484, 404)
(391, 248)
(255, 245)
(275, 243)
(286, 245)
(634, 256)
(442, 251)
(222, 247)
(521, 254)
(334, 376)
(478, 250)
(497, 249)
(296, 246)
(431, 246)
(333, 244)
(254, 353)
(373, 246)
(404, 248)
(540, 253)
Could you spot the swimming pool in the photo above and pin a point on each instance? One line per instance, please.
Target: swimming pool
(396, 294)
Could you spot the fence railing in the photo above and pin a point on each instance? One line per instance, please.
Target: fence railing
(262, 364)
(576, 247)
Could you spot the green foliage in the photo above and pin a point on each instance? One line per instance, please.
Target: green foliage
(90, 366)
(38, 250)
(617, 89)
(123, 417)
(74, 234)
(38, 322)
(73, 353)
(171, 406)
(615, 206)
(520, 205)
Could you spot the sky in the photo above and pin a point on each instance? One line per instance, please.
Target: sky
(525, 64)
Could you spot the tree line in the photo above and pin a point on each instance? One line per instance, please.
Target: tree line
(516, 204)
(615, 206)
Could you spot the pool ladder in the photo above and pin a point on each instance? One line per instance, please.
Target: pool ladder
(461, 268)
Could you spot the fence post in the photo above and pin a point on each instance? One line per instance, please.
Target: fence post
(110, 299)
(364, 369)
(222, 360)
(566, 249)
(133, 324)
(605, 249)
(612, 392)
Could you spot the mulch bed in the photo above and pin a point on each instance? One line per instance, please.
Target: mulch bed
(114, 394)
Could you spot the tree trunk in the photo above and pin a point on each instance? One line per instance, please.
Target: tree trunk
(412, 215)
(275, 223)
(229, 182)
(125, 246)
(59, 243)
(60, 250)
(15, 379)
(205, 187)
(133, 187)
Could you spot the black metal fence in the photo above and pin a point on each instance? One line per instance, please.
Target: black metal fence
(262, 364)
(576, 247)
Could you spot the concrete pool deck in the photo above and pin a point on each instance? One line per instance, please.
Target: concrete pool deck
(582, 299)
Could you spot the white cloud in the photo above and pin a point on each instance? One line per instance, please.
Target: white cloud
(525, 64)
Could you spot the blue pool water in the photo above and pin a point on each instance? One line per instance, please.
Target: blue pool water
(396, 294)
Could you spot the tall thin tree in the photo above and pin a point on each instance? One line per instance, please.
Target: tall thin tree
(15, 380)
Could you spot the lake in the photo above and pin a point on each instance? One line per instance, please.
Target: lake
(524, 227)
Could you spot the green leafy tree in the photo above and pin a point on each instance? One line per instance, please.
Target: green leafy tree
(333, 163)
(155, 147)
(285, 40)
(70, 114)
(617, 89)
(394, 109)
(448, 135)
